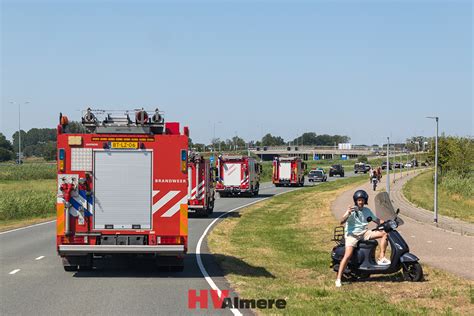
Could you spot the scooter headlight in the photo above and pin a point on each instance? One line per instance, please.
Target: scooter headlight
(393, 224)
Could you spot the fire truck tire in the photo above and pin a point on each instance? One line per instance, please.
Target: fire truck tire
(70, 268)
(202, 212)
(69, 264)
(222, 194)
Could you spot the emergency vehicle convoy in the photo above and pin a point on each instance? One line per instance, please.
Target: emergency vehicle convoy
(122, 188)
(288, 171)
(237, 175)
(201, 191)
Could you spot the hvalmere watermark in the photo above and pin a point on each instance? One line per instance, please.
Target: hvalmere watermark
(201, 300)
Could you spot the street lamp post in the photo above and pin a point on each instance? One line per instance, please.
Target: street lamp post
(388, 165)
(19, 129)
(436, 171)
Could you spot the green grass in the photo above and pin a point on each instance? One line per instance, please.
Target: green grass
(420, 191)
(281, 248)
(27, 199)
(27, 171)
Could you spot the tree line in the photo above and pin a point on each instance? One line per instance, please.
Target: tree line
(238, 143)
(41, 142)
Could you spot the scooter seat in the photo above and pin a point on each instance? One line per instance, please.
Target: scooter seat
(367, 243)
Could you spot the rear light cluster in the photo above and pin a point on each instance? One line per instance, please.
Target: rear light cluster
(169, 240)
(73, 240)
(195, 202)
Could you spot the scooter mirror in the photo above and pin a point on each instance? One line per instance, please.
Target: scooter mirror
(369, 219)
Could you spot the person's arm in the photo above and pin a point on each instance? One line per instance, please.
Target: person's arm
(346, 215)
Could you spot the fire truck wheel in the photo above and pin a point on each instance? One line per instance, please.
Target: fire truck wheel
(69, 264)
(202, 213)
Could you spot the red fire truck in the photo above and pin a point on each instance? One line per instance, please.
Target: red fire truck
(201, 191)
(238, 175)
(122, 188)
(288, 171)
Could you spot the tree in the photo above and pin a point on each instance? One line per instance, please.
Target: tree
(76, 128)
(5, 154)
(455, 154)
(362, 159)
(310, 138)
(238, 143)
(5, 143)
(269, 140)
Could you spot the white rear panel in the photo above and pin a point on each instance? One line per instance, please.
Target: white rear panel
(122, 189)
(232, 174)
(285, 170)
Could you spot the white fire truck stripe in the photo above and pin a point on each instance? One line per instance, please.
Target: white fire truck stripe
(175, 208)
(155, 192)
(193, 192)
(170, 195)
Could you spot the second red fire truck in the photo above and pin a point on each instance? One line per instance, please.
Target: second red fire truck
(288, 171)
(201, 193)
(238, 175)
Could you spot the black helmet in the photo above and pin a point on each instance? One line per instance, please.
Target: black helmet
(360, 194)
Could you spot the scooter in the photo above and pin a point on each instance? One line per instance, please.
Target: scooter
(362, 263)
(374, 183)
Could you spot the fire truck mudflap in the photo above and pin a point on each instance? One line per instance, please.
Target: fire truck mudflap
(122, 189)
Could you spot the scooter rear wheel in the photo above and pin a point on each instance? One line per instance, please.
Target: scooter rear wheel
(412, 272)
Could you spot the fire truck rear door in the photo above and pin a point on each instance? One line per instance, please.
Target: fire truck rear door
(232, 174)
(122, 189)
(285, 170)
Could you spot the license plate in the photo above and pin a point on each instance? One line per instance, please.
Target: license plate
(124, 145)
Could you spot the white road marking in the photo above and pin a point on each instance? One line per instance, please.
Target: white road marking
(39, 258)
(413, 236)
(14, 271)
(449, 248)
(428, 241)
(204, 272)
(31, 226)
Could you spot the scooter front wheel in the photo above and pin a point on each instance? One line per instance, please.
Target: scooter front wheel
(412, 272)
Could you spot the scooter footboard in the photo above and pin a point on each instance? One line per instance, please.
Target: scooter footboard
(408, 257)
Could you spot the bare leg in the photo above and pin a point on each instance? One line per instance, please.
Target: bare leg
(344, 261)
(383, 245)
(383, 241)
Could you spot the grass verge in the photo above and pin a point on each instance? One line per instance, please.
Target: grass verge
(285, 246)
(420, 191)
(24, 201)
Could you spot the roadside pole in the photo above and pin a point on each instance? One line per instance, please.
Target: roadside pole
(388, 166)
(435, 219)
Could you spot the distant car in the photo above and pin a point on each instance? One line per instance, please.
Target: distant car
(408, 165)
(317, 175)
(336, 169)
(360, 167)
(384, 165)
(398, 165)
(414, 163)
(368, 167)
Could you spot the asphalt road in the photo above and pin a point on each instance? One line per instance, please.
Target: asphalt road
(34, 282)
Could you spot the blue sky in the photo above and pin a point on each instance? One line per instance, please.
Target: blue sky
(367, 69)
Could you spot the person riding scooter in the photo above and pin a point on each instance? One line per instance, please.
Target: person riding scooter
(356, 222)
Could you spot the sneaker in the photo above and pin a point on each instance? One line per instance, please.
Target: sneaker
(383, 261)
(338, 283)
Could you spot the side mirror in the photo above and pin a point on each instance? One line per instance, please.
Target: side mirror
(369, 219)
